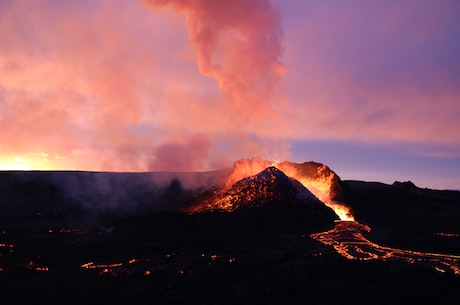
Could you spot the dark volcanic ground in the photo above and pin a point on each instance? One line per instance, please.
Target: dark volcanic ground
(55, 248)
(406, 216)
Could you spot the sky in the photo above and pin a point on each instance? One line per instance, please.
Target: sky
(369, 88)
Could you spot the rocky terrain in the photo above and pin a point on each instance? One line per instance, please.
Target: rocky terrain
(193, 238)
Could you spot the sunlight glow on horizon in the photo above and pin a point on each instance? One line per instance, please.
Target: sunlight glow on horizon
(32, 161)
(14, 164)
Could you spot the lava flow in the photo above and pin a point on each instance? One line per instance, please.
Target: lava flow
(348, 240)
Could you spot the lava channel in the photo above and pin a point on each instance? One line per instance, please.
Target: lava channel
(348, 240)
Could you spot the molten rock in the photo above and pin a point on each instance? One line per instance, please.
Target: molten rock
(269, 191)
(324, 183)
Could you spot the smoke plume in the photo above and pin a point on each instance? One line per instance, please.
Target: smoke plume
(238, 44)
(186, 155)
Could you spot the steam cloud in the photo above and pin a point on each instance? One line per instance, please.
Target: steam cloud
(238, 44)
(181, 156)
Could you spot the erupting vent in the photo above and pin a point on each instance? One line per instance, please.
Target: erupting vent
(316, 177)
(270, 188)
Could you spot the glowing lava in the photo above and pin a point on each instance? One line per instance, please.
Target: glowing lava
(320, 180)
(348, 240)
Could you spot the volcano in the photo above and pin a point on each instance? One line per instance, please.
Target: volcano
(270, 192)
(318, 178)
(251, 234)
